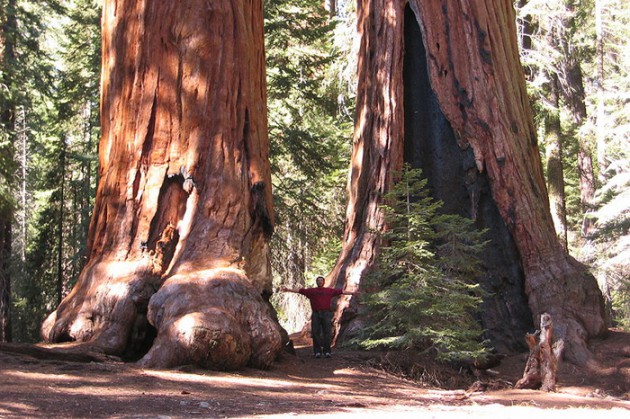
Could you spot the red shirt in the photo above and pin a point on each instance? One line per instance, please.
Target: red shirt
(320, 297)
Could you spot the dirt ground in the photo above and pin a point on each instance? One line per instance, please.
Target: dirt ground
(300, 385)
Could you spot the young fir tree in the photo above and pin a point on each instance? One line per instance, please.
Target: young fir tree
(427, 294)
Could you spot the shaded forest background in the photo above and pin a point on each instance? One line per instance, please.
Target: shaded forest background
(576, 56)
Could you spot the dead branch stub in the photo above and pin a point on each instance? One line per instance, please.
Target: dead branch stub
(544, 354)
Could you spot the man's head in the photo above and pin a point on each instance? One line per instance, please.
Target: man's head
(319, 281)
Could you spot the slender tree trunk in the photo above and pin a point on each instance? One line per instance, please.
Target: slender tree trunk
(599, 81)
(183, 205)
(23, 140)
(575, 98)
(331, 7)
(8, 28)
(474, 69)
(5, 282)
(62, 165)
(526, 30)
(555, 167)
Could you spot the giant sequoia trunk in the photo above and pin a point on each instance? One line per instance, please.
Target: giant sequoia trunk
(470, 128)
(178, 243)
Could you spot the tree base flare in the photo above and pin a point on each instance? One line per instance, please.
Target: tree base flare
(214, 319)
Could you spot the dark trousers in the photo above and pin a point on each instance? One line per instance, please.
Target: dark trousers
(320, 329)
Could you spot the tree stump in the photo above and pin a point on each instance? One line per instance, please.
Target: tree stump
(542, 363)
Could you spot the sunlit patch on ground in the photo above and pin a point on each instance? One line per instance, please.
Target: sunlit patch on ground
(296, 386)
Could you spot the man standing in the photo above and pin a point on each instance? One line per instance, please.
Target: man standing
(321, 318)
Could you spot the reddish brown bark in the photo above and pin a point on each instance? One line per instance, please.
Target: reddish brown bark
(377, 145)
(476, 74)
(183, 204)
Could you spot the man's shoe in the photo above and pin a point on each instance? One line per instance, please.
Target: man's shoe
(327, 355)
(318, 355)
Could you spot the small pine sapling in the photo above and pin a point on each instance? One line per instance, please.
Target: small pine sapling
(425, 277)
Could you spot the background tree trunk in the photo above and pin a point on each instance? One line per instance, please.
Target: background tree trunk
(575, 99)
(572, 81)
(474, 70)
(600, 135)
(5, 281)
(183, 205)
(62, 165)
(8, 31)
(331, 7)
(555, 167)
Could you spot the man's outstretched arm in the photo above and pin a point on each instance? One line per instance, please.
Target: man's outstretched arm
(285, 289)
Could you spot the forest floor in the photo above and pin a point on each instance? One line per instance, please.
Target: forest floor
(347, 385)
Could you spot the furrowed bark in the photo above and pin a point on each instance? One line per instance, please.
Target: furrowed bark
(377, 146)
(179, 237)
(475, 73)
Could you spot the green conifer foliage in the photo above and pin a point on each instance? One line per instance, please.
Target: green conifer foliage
(25, 84)
(57, 158)
(423, 294)
(309, 145)
(597, 33)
